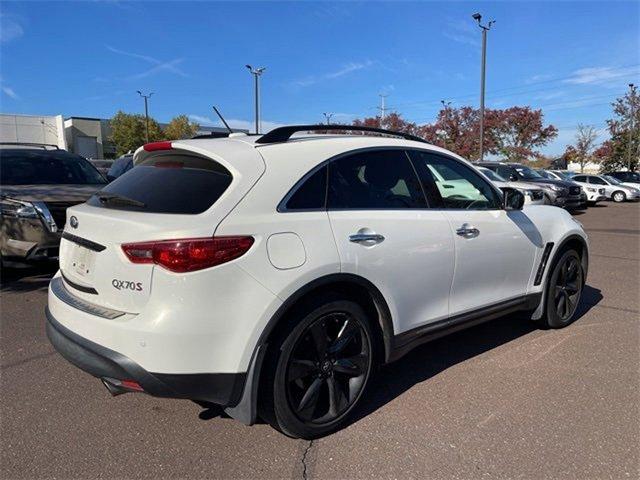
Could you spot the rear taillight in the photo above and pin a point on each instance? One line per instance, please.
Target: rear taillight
(189, 254)
(155, 146)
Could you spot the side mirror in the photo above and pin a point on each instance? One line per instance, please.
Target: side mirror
(513, 199)
(513, 177)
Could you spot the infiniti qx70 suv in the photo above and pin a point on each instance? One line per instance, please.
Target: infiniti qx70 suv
(270, 274)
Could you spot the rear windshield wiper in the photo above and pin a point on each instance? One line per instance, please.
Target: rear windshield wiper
(119, 199)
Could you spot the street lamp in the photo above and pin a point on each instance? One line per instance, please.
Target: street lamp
(485, 28)
(632, 106)
(146, 112)
(257, 72)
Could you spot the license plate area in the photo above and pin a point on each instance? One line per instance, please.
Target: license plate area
(82, 262)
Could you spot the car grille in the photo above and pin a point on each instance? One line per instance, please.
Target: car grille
(574, 191)
(537, 194)
(59, 212)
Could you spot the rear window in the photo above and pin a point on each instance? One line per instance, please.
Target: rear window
(46, 167)
(167, 183)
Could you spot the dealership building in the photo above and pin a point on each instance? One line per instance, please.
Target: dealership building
(88, 137)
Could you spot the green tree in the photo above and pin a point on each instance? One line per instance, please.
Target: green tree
(128, 131)
(622, 149)
(179, 128)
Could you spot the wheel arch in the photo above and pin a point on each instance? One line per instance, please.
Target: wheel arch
(355, 287)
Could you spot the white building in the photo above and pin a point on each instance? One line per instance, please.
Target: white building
(33, 129)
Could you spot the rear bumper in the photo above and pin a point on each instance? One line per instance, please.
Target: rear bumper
(221, 388)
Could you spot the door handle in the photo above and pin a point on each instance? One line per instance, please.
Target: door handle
(467, 231)
(366, 235)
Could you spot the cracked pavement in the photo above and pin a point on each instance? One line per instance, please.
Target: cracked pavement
(501, 400)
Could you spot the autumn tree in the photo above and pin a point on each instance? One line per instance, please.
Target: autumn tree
(128, 131)
(179, 128)
(518, 132)
(622, 150)
(585, 142)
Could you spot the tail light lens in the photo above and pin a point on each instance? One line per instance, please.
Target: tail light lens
(189, 254)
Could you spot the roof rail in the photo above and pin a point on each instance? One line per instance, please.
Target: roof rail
(211, 135)
(30, 144)
(282, 134)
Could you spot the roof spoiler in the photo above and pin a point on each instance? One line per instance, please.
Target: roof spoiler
(282, 134)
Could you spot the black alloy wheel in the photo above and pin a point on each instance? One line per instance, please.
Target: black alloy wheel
(323, 368)
(564, 290)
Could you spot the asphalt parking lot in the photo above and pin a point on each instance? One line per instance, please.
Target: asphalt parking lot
(502, 400)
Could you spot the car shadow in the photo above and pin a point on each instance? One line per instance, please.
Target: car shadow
(27, 279)
(391, 381)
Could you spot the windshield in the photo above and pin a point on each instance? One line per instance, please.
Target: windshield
(613, 181)
(527, 173)
(493, 176)
(563, 176)
(57, 167)
(544, 174)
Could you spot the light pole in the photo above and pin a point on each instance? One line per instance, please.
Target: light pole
(485, 28)
(633, 113)
(327, 117)
(382, 107)
(257, 72)
(146, 112)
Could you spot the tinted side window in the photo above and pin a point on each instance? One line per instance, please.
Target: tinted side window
(377, 179)
(580, 178)
(464, 190)
(507, 173)
(311, 195)
(597, 181)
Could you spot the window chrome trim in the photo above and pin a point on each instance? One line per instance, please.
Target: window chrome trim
(61, 292)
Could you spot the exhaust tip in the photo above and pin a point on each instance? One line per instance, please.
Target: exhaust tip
(118, 387)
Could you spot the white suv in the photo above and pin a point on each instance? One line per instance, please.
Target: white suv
(270, 274)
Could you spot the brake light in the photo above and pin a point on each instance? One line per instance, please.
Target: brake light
(155, 146)
(189, 254)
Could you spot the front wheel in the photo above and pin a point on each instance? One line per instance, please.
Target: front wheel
(618, 196)
(564, 290)
(322, 370)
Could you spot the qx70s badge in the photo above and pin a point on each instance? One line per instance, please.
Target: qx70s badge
(126, 285)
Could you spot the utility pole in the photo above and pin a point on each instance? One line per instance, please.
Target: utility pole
(632, 101)
(446, 106)
(485, 28)
(146, 112)
(257, 72)
(382, 107)
(327, 117)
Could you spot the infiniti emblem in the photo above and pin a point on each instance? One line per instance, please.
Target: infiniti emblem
(73, 221)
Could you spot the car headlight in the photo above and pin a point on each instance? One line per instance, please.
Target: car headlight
(589, 189)
(17, 208)
(556, 188)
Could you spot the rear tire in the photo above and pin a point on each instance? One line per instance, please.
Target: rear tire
(618, 196)
(563, 291)
(319, 369)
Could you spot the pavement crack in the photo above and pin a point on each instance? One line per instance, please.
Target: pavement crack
(305, 473)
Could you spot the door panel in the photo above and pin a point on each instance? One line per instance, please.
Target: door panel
(412, 266)
(495, 264)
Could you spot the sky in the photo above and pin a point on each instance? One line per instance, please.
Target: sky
(571, 59)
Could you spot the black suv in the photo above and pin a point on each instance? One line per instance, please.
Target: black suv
(560, 193)
(37, 185)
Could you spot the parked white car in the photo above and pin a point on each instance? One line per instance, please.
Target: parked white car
(270, 274)
(613, 189)
(594, 193)
(533, 195)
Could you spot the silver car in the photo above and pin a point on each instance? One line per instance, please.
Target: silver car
(613, 188)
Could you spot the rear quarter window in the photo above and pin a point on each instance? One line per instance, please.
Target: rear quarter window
(167, 183)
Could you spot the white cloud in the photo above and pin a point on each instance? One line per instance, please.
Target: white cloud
(10, 92)
(235, 123)
(158, 65)
(464, 32)
(10, 29)
(344, 70)
(601, 75)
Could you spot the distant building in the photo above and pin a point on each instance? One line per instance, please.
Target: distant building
(88, 137)
(33, 129)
